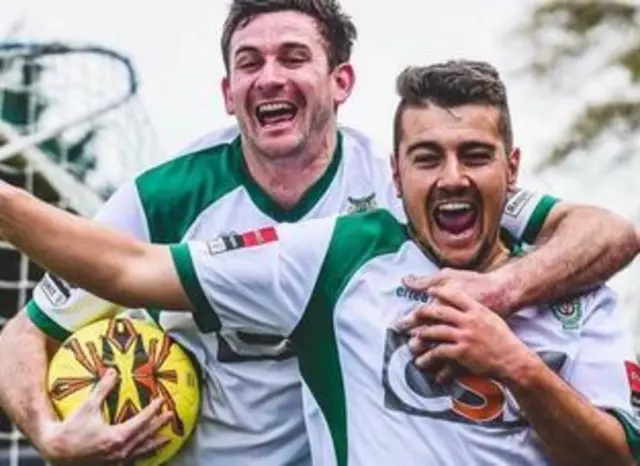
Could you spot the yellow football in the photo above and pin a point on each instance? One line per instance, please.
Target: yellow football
(149, 364)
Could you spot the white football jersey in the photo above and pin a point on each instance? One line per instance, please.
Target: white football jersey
(252, 408)
(334, 287)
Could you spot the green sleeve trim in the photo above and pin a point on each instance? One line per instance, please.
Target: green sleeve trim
(47, 325)
(631, 430)
(537, 219)
(205, 317)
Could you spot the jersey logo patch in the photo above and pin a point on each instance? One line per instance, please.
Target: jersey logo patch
(56, 290)
(518, 200)
(633, 374)
(569, 313)
(362, 204)
(246, 240)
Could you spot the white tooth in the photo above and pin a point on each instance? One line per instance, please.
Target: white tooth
(453, 206)
(274, 107)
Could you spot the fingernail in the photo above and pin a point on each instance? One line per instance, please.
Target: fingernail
(409, 279)
(414, 343)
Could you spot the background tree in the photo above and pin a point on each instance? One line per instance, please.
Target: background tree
(575, 45)
(587, 52)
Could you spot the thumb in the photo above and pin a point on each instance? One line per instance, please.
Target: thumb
(104, 387)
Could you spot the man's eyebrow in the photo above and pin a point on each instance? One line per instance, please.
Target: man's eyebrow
(468, 145)
(430, 145)
(245, 49)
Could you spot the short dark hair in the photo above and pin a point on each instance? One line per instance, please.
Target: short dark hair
(335, 26)
(450, 84)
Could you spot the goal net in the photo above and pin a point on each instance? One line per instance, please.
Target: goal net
(72, 128)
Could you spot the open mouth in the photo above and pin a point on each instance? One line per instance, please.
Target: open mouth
(273, 113)
(456, 217)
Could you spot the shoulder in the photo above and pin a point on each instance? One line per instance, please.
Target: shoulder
(182, 187)
(366, 235)
(359, 146)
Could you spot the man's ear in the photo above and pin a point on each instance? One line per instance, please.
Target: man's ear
(395, 171)
(226, 95)
(344, 78)
(513, 163)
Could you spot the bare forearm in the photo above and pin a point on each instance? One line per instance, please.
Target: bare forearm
(105, 262)
(572, 430)
(23, 369)
(586, 248)
(69, 246)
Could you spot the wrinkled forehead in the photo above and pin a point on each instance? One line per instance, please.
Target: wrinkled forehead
(450, 127)
(268, 31)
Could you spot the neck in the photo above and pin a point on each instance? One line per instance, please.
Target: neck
(286, 179)
(496, 255)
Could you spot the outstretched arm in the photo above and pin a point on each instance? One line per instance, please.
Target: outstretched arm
(577, 248)
(105, 262)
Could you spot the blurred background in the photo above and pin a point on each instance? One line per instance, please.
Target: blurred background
(107, 88)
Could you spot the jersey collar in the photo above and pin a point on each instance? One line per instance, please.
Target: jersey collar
(309, 199)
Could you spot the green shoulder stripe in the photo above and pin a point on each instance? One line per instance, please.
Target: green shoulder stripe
(204, 315)
(45, 323)
(537, 219)
(356, 240)
(175, 193)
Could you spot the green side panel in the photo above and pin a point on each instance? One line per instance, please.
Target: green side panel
(356, 240)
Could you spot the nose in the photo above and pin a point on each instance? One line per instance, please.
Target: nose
(270, 77)
(453, 175)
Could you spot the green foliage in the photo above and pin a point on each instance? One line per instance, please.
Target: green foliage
(562, 35)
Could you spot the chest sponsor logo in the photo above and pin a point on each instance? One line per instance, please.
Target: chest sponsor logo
(569, 313)
(518, 200)
(413, 295)
(470, 399)
(246, 240)
(361, 204)
(56, 290)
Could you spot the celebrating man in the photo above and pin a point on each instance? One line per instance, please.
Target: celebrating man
(288, 73)
(546, 386)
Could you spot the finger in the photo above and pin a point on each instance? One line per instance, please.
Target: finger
(453, 296)
(447, 374)
(99, 394)
(422, 283)
(430, 314)
(438, 313)
(137, 423)
(443, 351)
(149, 447)
(427, 336)
(150, 430)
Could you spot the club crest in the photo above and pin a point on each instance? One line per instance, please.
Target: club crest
(361, 204)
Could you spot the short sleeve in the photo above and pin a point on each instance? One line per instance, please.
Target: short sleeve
(525, 214)
(259, 281)
(57, 307)
(604, 370)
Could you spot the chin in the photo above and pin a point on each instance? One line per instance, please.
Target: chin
(280, 146)
(458, 260)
